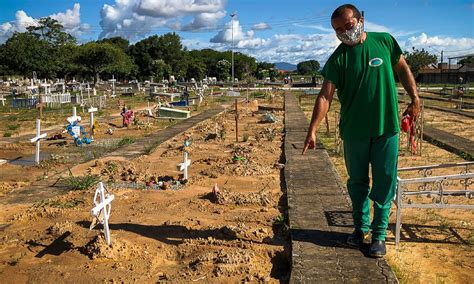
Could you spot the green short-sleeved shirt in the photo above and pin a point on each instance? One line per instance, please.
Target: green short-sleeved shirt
(365, 84)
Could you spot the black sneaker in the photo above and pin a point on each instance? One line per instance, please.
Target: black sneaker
(356, 239)
(377, 249)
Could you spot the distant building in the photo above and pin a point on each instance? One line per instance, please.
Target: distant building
(445, 73)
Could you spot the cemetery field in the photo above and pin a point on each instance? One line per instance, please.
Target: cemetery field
(58, 151)
(437, 245)
(225, 224)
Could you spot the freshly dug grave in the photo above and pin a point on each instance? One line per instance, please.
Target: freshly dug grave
(222, 225)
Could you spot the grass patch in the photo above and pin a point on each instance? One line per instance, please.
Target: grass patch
(126, 141)
(13, 127)
(59, 204)
(80, 183)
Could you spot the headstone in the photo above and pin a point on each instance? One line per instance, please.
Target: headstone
(3, 100)
(101, 210)
(37, 139)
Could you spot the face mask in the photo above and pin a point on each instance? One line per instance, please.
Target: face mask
(352, 36)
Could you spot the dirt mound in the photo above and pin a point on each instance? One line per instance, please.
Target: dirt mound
(119, 249)
(262, 198)
(59, 229)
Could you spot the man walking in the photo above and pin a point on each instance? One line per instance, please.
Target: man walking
(362, 69)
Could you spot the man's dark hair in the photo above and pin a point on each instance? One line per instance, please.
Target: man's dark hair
(341, 9)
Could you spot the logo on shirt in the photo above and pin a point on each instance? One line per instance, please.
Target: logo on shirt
(375, 62)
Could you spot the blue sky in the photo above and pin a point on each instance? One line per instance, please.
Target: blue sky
(270, 30)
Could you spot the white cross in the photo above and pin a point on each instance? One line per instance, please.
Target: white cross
(3, 100)
(37, 139)
(183, 167)
(91, 111)
(74, 116)
(47, 88)
(101, 211)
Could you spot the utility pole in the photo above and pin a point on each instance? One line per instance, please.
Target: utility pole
(232, 23)
(441, 71)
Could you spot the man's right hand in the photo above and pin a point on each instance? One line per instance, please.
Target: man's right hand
(309, 142)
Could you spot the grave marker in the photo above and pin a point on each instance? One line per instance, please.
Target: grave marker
(236, 122)
(91, 111)
(101, 211)
(3, 100)
(37, 139)
(113, 86)
(183, 167)
(74, 116)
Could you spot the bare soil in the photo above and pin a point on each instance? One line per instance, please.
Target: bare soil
(189, 233)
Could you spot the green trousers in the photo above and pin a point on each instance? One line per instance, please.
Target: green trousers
(382, 153)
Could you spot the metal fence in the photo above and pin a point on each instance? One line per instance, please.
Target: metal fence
(426, 190)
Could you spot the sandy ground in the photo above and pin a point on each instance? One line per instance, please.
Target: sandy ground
(437, 245)
(190, 234)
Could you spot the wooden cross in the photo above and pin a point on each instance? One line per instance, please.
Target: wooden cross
(40, 106)
(3, 100)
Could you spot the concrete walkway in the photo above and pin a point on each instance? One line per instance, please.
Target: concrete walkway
(450, 142)
(320, 215)
(145, 144)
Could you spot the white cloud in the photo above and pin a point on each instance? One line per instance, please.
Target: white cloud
(451, 46)
(133, 19)
(291, 48)
(261, 26)
(71, 21)
(230, 32)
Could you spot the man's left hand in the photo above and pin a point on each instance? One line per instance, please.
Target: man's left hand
(413, 108)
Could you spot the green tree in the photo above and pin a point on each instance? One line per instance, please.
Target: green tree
(51, 30)
(196, 69)
(263, 70)
(466, 60)
(309, 67)
(244, 66)
(167, 47)
(160, 70)
(418, 59)
(24, 53)
(173, 53)
(99, 58)
(117, 41)
(273, 73)
(223, 69)
(64, 60)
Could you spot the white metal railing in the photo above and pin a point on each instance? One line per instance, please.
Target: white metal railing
(440, 188)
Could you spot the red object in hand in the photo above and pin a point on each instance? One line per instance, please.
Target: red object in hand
(406, 123)
(408, 126)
